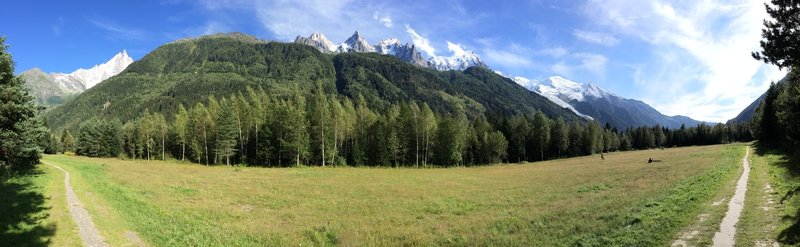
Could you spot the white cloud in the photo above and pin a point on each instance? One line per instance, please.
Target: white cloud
(709, 72)
(421, 42)
(595, 37)
(385, 20)
(456, 49)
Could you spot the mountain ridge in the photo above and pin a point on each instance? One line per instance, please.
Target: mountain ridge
(591, 100)
(460, 60)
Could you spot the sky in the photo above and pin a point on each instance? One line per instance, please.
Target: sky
(687, 57)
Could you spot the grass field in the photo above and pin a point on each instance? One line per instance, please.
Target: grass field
(621, 200)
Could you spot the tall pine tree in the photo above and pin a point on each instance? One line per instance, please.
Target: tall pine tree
(19, 127)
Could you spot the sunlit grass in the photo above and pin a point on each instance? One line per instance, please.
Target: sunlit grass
(621, 200)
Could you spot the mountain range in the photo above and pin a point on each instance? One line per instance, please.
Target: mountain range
(460, 60)
(190, 70)
(591, 101)
(555, 95)
(51, 89)
(588, 101)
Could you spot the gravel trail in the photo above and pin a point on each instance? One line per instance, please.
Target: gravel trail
(89, 234)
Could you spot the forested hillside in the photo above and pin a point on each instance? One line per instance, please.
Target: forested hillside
(186, 71)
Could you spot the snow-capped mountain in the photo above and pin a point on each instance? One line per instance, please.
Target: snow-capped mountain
(83, 79)
(553, 94)
(592, 101)
(460, 60)
(405, 52)
(49, 89)
(456, 62)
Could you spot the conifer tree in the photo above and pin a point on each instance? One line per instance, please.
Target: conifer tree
(781, 34)
(560, 137)
(19, 126)
(226, 131)
(67, 141)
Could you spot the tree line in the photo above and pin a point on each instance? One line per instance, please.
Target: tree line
(259, 129)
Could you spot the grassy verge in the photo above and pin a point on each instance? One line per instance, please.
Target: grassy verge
(33, 210)
(581, 201)
(701, 230)
(763, 222)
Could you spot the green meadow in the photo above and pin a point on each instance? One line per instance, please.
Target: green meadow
(621, 200)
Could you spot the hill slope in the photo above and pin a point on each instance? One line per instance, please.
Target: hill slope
(747, 113)
(187, 71)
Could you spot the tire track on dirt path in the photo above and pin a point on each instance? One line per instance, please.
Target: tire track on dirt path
(727, 228)
(89, 234)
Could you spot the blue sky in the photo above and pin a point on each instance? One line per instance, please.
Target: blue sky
(682, 57)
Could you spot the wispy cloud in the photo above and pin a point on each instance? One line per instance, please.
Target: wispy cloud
(506, 58)
(421, 42)
(119, 32)
(594, 63)
(57, 27)
(596, 37)
(701, 52)
(385, 19)
(555, 52)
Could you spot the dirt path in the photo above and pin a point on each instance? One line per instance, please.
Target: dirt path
(89, 234)
(727, 229)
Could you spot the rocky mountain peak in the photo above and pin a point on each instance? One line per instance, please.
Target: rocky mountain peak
(357, 43)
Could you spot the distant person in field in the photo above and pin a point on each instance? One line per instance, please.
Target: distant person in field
(602, 157)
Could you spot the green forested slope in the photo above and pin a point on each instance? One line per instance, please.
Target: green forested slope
(188, 71)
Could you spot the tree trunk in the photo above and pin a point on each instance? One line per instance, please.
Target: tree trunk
(241, 140)
(335, 152)
(322, 130)
(205, 143)
(255, 155)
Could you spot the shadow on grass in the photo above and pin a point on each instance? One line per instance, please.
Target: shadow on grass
(22, 211)
(791, 164)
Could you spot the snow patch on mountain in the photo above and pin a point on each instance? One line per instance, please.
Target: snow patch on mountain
(550, 92)
(561, 88)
